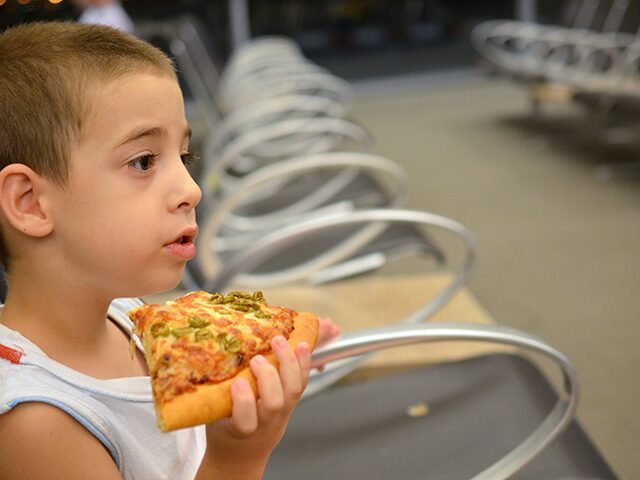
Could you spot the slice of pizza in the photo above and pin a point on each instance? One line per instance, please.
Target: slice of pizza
(198, 344)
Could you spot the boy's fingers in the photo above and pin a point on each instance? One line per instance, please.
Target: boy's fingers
(327, 331)
(244, 414)
(303, 355)
(290, 370)
(271, 397)
(324, 330)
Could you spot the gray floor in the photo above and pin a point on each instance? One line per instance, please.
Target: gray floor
(559, 248)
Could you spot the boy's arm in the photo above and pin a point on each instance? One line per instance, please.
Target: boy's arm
(238, 447)
(41, 442)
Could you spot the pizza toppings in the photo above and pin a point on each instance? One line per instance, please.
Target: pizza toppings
(197, 345)
(205, 338)
(159, 329)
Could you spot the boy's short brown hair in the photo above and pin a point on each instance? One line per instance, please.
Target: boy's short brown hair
(47, 70)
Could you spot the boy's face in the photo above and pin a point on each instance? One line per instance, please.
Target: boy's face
(126, 221)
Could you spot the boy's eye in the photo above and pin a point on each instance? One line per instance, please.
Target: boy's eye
(143, 163)
(190, 158)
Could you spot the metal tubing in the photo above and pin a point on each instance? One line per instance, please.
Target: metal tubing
(367, 341)
(273, 243)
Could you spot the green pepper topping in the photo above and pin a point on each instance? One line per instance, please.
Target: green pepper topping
(233, 344)
(252, 305)
(159, 329)
(196, 321)
(229, 342)
(220, 340)
(240, 294)
(180, 331)
(216, 299)
(258, 296)
(202, 335)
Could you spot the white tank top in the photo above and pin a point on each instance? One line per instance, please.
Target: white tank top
(119, 412)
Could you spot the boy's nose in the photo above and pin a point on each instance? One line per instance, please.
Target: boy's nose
(187, 192)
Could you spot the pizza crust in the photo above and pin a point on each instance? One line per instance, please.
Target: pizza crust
(209, 403)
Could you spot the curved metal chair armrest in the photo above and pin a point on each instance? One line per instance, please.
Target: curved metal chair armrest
(495, 34)
(504, 30)
(529, 49)
(604, 66)
(375, 219)
(267, 68)
(260, 47)
(527, 31)
(259, 54)
(270, 110)
(546, 51)
(264, 248)
(349, 164)
(613, 47)
(297, 166)
(216, 164)
(366, 341)
(262, 58)
(630, 63)
(318, 83)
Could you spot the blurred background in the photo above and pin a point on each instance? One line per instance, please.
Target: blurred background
(541, 163)
(356, 39)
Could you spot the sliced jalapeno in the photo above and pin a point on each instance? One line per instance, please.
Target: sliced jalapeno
(202, 335)
(196, 321)
(180, 331)
(233, 344)
(159, 329)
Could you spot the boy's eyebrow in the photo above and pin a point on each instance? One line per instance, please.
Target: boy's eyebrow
(141, 132)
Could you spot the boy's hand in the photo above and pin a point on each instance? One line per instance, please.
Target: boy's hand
(239, 446)
(328, 332)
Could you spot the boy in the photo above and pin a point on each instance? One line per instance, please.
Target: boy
(95, 204)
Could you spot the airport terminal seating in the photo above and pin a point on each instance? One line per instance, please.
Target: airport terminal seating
(592, 62)
(580, 59)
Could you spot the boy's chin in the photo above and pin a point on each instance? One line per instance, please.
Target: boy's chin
(157, 286)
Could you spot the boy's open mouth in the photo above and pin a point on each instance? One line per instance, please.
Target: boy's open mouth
(183, 246)
(188, 235)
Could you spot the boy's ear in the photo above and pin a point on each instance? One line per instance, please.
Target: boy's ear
(22, 199)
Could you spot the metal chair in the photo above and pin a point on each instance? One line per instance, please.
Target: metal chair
(353, 348)
(241, 267)
(533, 52)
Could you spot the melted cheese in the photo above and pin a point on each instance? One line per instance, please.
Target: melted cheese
(204, 338)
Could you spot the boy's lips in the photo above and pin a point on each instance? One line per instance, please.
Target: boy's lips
(183, 246)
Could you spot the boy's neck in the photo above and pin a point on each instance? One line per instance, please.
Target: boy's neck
(50, 312)
(69, 323)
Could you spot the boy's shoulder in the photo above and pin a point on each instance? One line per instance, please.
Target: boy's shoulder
(41, 441)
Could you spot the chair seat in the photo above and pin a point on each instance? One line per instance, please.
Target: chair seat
(476, 411)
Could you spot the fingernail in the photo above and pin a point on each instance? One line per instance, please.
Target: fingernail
(280, 341)
(259, 359)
